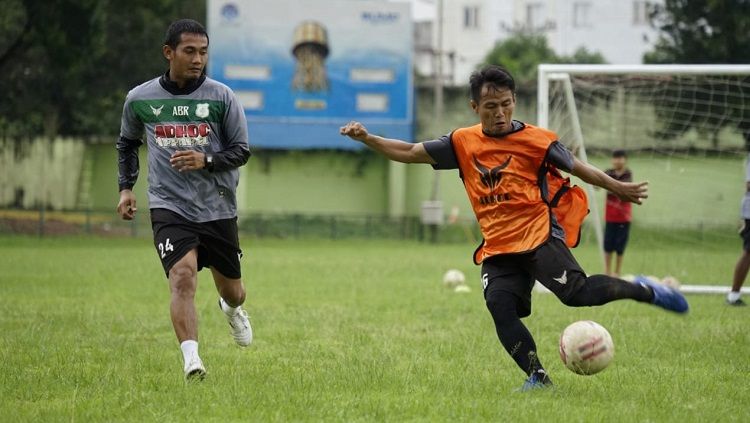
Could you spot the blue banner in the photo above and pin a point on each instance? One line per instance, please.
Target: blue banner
(302, 69)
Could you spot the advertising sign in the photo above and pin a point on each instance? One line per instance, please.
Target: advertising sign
(301, 69)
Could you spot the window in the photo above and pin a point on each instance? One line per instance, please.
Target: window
(581, 14)
(534, 16)
(642, 12)
(471, 17)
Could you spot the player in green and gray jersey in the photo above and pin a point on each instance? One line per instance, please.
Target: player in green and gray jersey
(196, 134)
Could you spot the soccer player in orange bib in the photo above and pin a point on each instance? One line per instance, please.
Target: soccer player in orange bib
(528, 213)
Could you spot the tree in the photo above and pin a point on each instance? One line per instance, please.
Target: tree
(583, 55)
(522, 52)
(67, 64)
(703, 31)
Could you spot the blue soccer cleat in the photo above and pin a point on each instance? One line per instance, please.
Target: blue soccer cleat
(537, 380)
(664, 296)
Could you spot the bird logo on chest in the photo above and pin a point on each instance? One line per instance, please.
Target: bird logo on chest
(491, 176)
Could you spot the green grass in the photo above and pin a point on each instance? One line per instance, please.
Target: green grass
(348, 331)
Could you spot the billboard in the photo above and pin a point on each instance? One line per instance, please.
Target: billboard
(301, 69)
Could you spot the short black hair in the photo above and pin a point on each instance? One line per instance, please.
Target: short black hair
(492, 74)
(619, 153)
(182, 26)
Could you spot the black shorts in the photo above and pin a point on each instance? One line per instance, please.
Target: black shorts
(616, 237)
(217, 242)
(745, 234)
(552, 264)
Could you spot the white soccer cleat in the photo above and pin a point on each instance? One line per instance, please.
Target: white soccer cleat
(239, 323)
(194, 369)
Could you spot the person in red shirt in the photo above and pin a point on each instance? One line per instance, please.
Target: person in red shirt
(617, 216)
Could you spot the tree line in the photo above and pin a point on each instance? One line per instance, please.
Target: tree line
(67, 64)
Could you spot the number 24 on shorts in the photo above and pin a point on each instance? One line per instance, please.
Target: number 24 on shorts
(165, 247)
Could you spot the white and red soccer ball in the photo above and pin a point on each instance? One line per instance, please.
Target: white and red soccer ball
(586, 347)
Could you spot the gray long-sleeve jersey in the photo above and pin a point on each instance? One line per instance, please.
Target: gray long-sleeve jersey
(205, 117)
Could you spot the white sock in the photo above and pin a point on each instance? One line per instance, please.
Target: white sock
(189, 349)
(733, 296)
(227, 309)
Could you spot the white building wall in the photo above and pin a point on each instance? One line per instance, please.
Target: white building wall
(616, 28)
(466, 42)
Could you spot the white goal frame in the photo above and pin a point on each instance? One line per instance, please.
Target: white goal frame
(558, 72)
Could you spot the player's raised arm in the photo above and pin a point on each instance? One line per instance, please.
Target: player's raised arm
(634, 192)
(396, 150)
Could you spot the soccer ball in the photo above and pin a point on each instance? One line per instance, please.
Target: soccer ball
(453, 278)
(586, 347)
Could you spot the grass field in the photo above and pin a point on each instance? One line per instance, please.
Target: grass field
(349, 331)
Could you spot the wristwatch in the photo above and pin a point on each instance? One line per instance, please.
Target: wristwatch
(209, 164)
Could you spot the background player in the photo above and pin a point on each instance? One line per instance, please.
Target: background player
(499, 161)
(743, 263)
(196, 134)
(617, 216)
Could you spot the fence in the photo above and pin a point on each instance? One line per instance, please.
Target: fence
(48, 223)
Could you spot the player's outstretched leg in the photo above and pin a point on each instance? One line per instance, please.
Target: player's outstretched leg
(665, 297)
(555, 267)
(516, 338)
(231, 298)
(183, 280)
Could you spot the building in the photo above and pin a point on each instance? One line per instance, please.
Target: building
(619, 29)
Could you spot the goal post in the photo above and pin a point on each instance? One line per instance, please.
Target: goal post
(576, 144)
(688, 127)
(545, 70)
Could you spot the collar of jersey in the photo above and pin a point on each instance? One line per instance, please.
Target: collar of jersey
(516, 125)
(173, 89)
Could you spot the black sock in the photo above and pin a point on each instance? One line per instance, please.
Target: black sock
(602, 289)
(514, 336)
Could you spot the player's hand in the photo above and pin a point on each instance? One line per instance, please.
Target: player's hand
(184, 160)
(126, 207)
(355, 131)
(634, 192)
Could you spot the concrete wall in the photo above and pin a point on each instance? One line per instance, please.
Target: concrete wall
(80, 175)
(317, 182)
(40, 171)
(305, 182)
(103, 190)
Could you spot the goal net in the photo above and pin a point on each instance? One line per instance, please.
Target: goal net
(685, 128)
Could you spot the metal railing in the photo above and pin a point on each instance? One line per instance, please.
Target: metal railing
(49, 223)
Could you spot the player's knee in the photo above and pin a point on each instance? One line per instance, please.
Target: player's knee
(571, 295)
(235, 295)
(502, 307)
(182, 280)
(572, 301)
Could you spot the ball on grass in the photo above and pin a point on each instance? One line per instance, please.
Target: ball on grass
(453, 277)
(586, 347)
